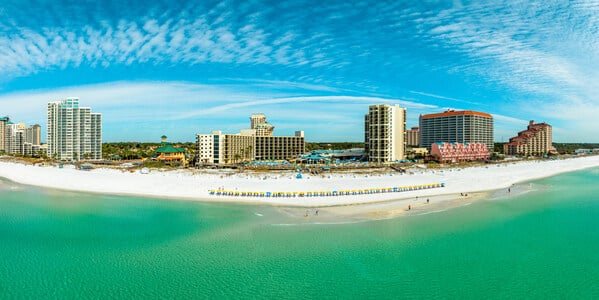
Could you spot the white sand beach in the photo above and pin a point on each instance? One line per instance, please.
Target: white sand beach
(195, 185)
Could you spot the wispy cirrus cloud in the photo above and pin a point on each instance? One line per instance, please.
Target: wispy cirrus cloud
(542, 54)
(184, 109)
(224, 33)
(191, 42)
(42, 36)
(307, 100)
(520, 60)
(443, 97)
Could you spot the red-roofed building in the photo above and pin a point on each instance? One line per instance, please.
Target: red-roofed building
(452, 126)
(457, 152)
(535, 140)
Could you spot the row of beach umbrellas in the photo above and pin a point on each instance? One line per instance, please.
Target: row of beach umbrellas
(327, 193)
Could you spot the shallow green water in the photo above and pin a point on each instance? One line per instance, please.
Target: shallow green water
(543, 244)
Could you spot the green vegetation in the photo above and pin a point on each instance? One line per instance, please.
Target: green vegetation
(562, 148)
(498, 147)
(568, 148)
(333, 146)
(134, 150)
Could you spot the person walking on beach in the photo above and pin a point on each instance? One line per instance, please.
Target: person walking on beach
(409, 207)
(427, 200)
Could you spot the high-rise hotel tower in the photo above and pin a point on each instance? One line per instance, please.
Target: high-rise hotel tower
(456, 127)
(74, 132)
(385, 133)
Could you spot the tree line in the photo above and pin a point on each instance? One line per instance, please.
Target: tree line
(136, 150)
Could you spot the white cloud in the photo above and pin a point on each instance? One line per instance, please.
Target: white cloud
(508, 119)
(544, 54)
(443, 97)
(131, 41)
(535, 56)
(341, 100)
(207, 107)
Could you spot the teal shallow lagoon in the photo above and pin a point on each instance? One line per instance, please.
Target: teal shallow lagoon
(542, 244)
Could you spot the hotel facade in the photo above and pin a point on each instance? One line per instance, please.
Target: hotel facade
(257, 143)
(535, 140)
(260, 125)
(385, 133)
(15, 138)
(459, 152)
(19, 139)
(74, 132)
(413, 137)
(456, 127)
(3, 122)
(280, 147)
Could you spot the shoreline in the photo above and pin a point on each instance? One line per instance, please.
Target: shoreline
(194, 186)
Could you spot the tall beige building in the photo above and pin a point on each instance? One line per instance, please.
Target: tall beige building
(32, 141)
(385, 133)
(15, 138)
(260, 125)
(19, 139)
(413, 137)
(535, 140)
(33, 134)
(3, 122)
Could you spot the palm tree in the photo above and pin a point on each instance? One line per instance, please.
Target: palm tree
(249, 152)
(242, 153)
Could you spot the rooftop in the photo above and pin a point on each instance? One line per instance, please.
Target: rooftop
(168, 148)
(451, 113)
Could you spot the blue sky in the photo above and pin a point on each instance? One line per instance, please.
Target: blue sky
(181, 68)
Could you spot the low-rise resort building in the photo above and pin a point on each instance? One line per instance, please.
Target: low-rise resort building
(256, 143)
(459, 152)
(167, 153)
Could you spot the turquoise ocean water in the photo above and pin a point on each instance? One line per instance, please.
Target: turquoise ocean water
(538, 245)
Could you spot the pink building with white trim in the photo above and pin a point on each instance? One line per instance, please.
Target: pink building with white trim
(456, 152)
